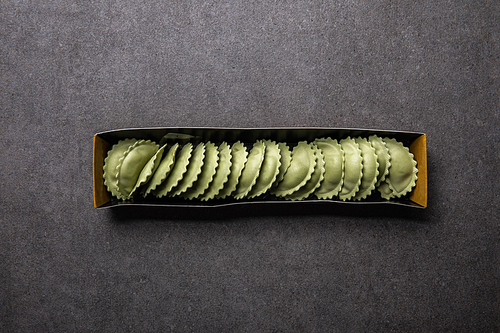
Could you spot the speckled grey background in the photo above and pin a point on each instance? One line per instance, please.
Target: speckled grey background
(69, 69)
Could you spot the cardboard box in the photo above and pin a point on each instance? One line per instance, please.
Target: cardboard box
(105, 140)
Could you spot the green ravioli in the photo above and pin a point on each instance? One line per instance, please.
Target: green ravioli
(403, 171)
(163, 170)
(268, 171)
(299, 172)
(110, 164)
(176, 174)
(238, 159)
(131, 165)
(370, 169)
(334, 168)
(251, 170)
(383, 157)
(221, 174)
(193, 170)
(207, 172)
(314, 182)
(353, 168)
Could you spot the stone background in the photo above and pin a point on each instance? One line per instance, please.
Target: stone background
(69, 69)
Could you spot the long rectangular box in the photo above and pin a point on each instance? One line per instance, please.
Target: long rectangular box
(105, 140)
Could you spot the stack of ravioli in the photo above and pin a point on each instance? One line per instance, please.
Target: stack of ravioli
(347, 169)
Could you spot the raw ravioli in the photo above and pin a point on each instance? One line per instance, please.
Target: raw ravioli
(353, 168)
(178, 170)
(207, 172)
(385, 191)
(163, 170)
(315, 180)
(193, 170)
(383, 158)
(403, 171)
(238, 159)
(221, 174)
(111, 162)
(268, 171)
(370, 169)
(251, 170)
(149, 169)
(130, 166)
(285, 159)
(334, 168)
(299, 172)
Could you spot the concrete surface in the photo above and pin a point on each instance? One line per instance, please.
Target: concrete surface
(69, 69)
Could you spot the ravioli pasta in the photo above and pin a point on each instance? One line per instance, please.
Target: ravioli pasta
(356, 168)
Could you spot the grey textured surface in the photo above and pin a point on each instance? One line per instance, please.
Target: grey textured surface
(69, 69)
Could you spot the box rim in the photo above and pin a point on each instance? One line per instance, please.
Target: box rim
(110, 204)
(257, 128)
